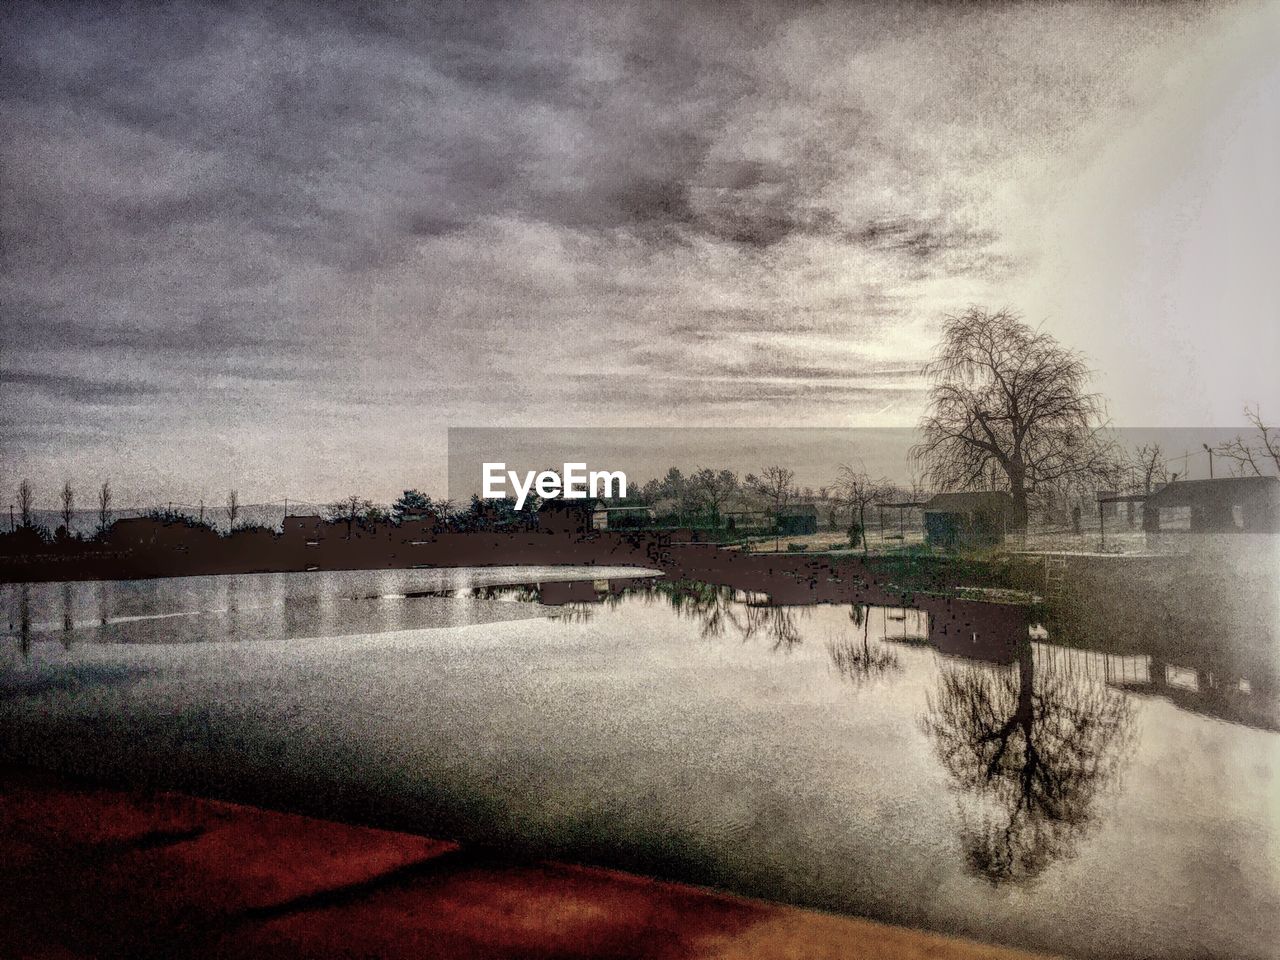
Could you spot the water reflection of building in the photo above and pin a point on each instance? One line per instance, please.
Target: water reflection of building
(1210, 672)
(1196, 688)
(991, 632)
(557, 593)
(1135, 621)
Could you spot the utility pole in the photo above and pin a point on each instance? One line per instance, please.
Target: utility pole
(1209, 450)
(12, 525)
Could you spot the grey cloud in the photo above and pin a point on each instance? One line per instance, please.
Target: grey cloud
(427, 223)
(715, 392)
(36, 327)
(450, 204)
(768, 365)
(76, 388)
(921, 239)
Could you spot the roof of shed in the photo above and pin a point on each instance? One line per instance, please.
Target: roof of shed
(986, 501)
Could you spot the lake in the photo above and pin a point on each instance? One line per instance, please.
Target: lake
(833, 756)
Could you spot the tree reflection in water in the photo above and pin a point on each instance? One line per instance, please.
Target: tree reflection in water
(720, 608)
(573, 612)
(856, 659)
(68, 616)
(777, 624)
(708, 603)
(1030, 752)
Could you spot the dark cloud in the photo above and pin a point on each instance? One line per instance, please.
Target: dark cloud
(79, 389)
(428, 223)
(921, 239)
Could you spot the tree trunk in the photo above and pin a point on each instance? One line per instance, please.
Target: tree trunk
(1018, 490)
(1026, 682)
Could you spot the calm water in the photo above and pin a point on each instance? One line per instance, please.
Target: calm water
(825, 755)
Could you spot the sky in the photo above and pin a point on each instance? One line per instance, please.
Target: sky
(283, 246)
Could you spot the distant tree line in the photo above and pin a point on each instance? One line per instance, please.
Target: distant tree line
(1009, 409)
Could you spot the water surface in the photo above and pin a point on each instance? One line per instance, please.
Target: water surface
(832, 756)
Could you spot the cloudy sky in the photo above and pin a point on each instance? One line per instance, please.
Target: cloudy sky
(283, 248)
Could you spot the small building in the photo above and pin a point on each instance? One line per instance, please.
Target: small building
(955, 521)
(556, 593)
(1223, 505)
(797, 520)
(757, 520)
(1109, 502)
(622, 518)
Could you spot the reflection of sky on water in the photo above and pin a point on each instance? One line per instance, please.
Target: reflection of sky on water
(828, 755)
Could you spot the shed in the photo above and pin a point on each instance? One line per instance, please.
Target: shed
(621, 518)
(957, 520)
(1222, 505)
(797, 519)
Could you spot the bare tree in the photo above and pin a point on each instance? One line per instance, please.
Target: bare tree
(915, 487)
(1009, 398)
(444, 510)
(104, 505)
(68, 506)
(353, 508)
(26, 502)
(713, 487)
(776, 484)
(856, 491)
(1257, 457)
(1148, 464)
(233, 509)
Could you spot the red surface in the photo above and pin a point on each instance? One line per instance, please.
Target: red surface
(104, 873)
